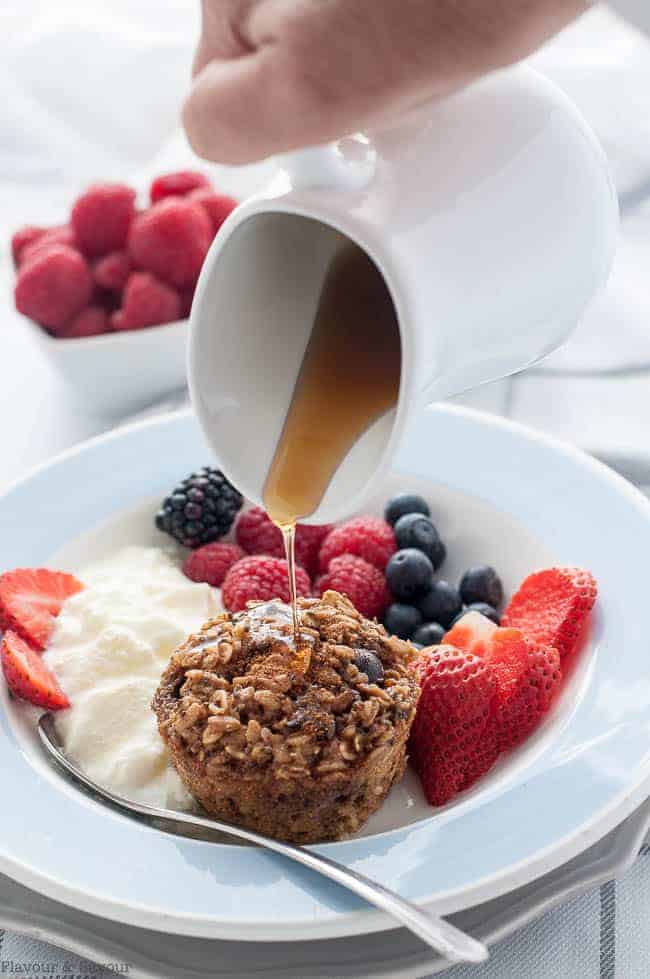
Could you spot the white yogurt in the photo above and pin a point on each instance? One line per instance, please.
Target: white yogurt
(111, 643)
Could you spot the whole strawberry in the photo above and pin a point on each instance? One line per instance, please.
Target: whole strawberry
(552, 606)
(370, 538)
(212, 562)
(257, 534)
(363, 584)
(453, 738)
(259, 579)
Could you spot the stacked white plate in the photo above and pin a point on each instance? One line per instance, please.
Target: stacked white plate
(187, 908)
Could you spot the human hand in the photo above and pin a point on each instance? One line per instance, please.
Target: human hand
(276, 75)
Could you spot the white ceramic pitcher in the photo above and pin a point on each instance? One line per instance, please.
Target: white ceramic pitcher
(492, 219)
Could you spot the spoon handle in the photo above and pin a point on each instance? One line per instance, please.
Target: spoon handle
(454, 944)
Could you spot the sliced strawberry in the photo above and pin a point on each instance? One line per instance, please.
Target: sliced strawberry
(31, 599)
(472, 633)
(552, 606)
(453, 739)
(527, 675)
(27, 675)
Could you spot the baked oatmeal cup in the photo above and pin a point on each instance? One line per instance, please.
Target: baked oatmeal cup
(303, 746)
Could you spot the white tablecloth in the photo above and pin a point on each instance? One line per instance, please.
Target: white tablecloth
(92, 88)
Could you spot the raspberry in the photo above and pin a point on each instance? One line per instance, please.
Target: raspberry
(146, 302)
(453, 738)
(101, 218)
(216, 206)
(363, 584)
(368, 537)
(552, 607)
(171, 240)
(259, 579)
(187, 298)
(90, 322)
(53, 287)
(257, 534)
(24, 237)
(112, 271)
(177, 184)
(63, 235)
(212, 562)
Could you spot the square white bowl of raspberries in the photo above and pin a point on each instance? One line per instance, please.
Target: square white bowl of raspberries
(107, 294)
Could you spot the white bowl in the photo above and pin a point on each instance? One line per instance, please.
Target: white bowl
(117, 373)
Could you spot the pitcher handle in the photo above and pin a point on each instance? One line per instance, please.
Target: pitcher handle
(346, 165)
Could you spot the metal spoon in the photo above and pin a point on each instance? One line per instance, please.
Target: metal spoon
(449, 941)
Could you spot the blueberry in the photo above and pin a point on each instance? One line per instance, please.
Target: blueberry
(369, 663)
(429, 634)
(482, 607)
(402, 620)
(405, 503)
(481, 584)
(409, 574)
(416, 530)
(442, 603)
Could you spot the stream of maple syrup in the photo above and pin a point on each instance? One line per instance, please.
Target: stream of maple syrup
(349, 378)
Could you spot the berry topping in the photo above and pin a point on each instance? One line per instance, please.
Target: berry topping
(416, 530)
(369, 663)
(405, 503)
(429, 634)
(27, 675)
(146, 302)
(171, 239)
(257, 534)
(527, 676)
(441, 603)
(472, 632)
(201, 509)
(101, 218)
(31, 599)
(212, 562)
(368, 537)
(483, 608)
(23, 238)
(53, 286)
(177, 184)
(112, 271)
(402, 620)
(90, 322)
(453, 738)
(216, 206)
(409, 575)
(363, 584)
(481, 584)
(552, 607)
(259, 578)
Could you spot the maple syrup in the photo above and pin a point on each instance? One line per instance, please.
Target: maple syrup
(348, 379)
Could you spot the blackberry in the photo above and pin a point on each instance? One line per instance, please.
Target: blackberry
(201, 509)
